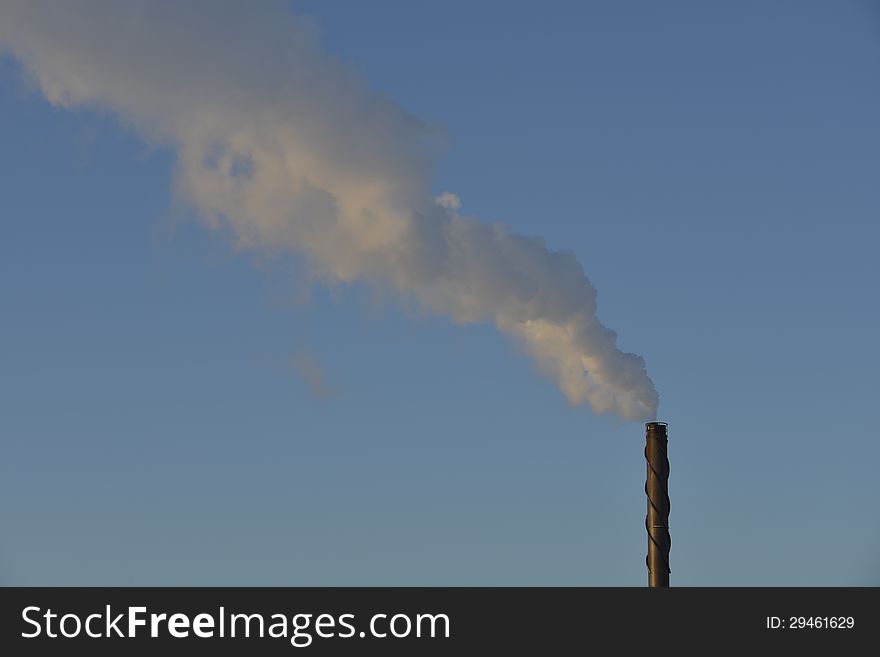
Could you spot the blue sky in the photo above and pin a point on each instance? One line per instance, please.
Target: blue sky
(714, 169)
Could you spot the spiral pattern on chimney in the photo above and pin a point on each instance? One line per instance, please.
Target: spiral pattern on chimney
(657, 490)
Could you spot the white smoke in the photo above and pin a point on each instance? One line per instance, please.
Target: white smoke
(282, 146)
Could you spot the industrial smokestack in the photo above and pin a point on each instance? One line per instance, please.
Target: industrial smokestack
(657, 490)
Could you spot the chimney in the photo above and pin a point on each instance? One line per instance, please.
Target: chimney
(657, 490)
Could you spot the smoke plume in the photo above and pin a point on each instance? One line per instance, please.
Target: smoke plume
(283, 147)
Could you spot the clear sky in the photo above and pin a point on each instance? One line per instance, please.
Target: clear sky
(174, 410)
